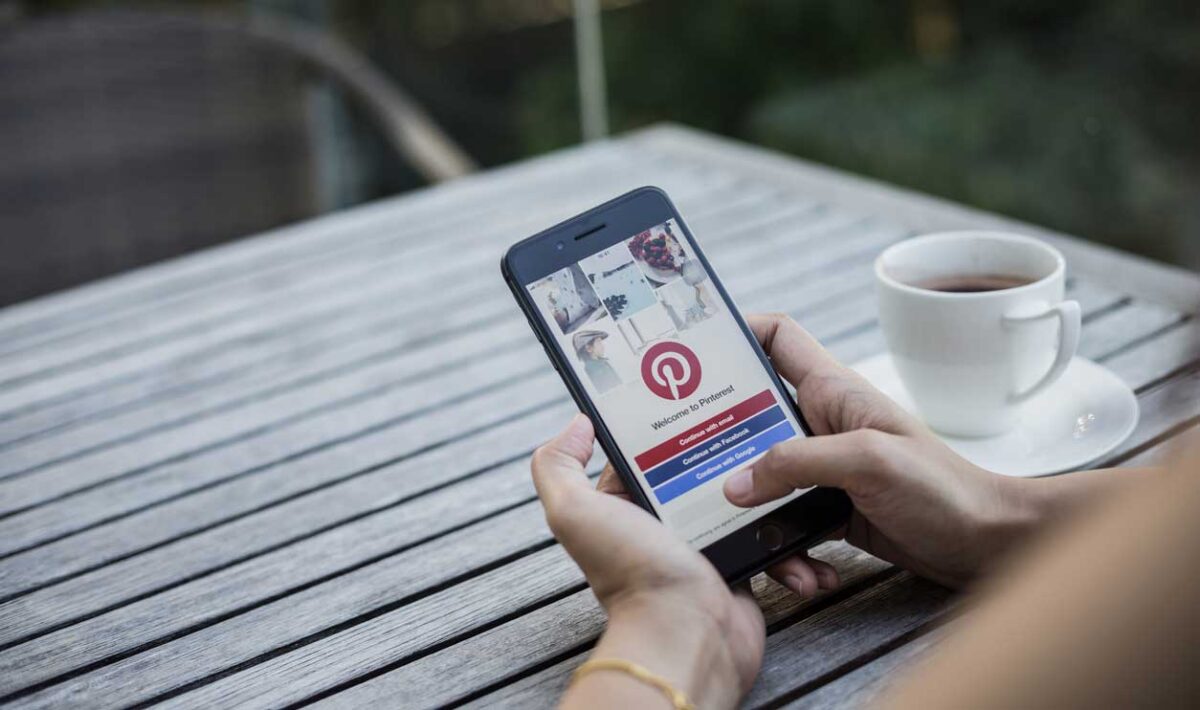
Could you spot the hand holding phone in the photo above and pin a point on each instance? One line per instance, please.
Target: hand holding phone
(653, 350)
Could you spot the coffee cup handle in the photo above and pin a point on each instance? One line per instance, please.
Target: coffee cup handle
(1069, 320)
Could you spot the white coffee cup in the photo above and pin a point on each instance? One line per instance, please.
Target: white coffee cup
(970, 360)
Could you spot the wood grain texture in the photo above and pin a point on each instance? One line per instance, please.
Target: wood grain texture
(485, 308)
(193, 556)
(860, 687)
(801, 652)
(278, 469)
(183, 560)
(28, 614)
(241, 442)
(390, 689)
(238, 374)
(309, 305)
(544, 632)
(381, 322)
(216, 269)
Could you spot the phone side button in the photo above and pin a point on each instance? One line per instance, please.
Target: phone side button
(770, 537)
(546, 349)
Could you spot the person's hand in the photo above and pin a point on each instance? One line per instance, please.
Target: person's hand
(668, 608)
(917, 504)
(804, 575)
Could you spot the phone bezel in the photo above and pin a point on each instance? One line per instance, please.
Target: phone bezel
(737, 556)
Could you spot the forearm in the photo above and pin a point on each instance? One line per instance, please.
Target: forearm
(1102, 614)
(1030, 506)
(1047, 500)
(679, 644)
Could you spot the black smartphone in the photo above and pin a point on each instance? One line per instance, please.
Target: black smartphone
(655, 353)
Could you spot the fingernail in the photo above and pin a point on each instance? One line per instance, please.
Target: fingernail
(739, 485)
(795, 584)
(576, 422)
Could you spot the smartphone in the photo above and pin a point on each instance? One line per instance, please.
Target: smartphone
(654, 352)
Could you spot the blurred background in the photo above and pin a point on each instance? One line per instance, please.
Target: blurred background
(135, 131)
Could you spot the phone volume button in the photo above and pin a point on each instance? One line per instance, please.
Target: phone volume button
(550, 356)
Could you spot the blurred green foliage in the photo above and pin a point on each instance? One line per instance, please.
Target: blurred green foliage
(1077, 114)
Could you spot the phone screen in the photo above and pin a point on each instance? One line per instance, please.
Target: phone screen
(672, 374)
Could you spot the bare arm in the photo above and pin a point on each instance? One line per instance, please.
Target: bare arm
(1105, 614)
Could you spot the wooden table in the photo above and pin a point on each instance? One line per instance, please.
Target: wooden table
(294, 469)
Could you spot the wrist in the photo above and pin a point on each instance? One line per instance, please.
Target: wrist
(674, 637)
(1017, 510)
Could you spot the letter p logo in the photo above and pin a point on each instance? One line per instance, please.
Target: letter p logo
(671, 370)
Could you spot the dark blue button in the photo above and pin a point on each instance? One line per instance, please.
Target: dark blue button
(731, 459)
(714, 446)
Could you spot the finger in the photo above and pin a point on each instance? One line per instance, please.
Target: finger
(558, 465)
(796, 573)
(845, 461)
(794, 352)
(828, 578)
(610, 483)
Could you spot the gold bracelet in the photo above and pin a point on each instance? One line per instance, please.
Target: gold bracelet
(678, 700)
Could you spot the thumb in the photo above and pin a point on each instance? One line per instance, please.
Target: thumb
(835, 461)
(558, 465)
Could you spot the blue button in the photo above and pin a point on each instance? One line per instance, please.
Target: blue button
(714, 446)
(731, 459)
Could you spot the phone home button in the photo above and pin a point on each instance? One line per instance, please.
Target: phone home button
(770, 537)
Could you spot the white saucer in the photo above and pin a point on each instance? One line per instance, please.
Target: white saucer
(1088, 412)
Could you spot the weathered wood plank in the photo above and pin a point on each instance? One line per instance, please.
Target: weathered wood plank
(234, 590)
(187, 558)
(52, 445)
(215, 268)
(560, 626)
(484, 307)
(864, 684)
(347, 341)
(800, 654)
(1125, 325)
(90, 584)
(352, 253)
(780, 606)
(31, 567)
(390, 580)
(29, 379)
(542, 688)
(366, 323)
(552, 684)
(325, 447)
(394, 525)
(789, 678)
(139, 531)
(129, 491)
(1152, 281)
(1171, 350)
(1162, 453)
(1166, 409)
(485, 463)
(67, 647)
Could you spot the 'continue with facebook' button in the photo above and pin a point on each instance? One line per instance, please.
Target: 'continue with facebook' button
(713, 448)
(732, 458)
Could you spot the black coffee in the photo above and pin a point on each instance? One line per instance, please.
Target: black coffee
(973, 283)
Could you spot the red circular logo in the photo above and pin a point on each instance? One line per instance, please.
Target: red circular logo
(671, 370)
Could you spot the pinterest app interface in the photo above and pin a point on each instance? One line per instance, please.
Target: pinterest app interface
(671, 373)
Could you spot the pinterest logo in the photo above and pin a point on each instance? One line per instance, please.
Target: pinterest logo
(671, 370)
